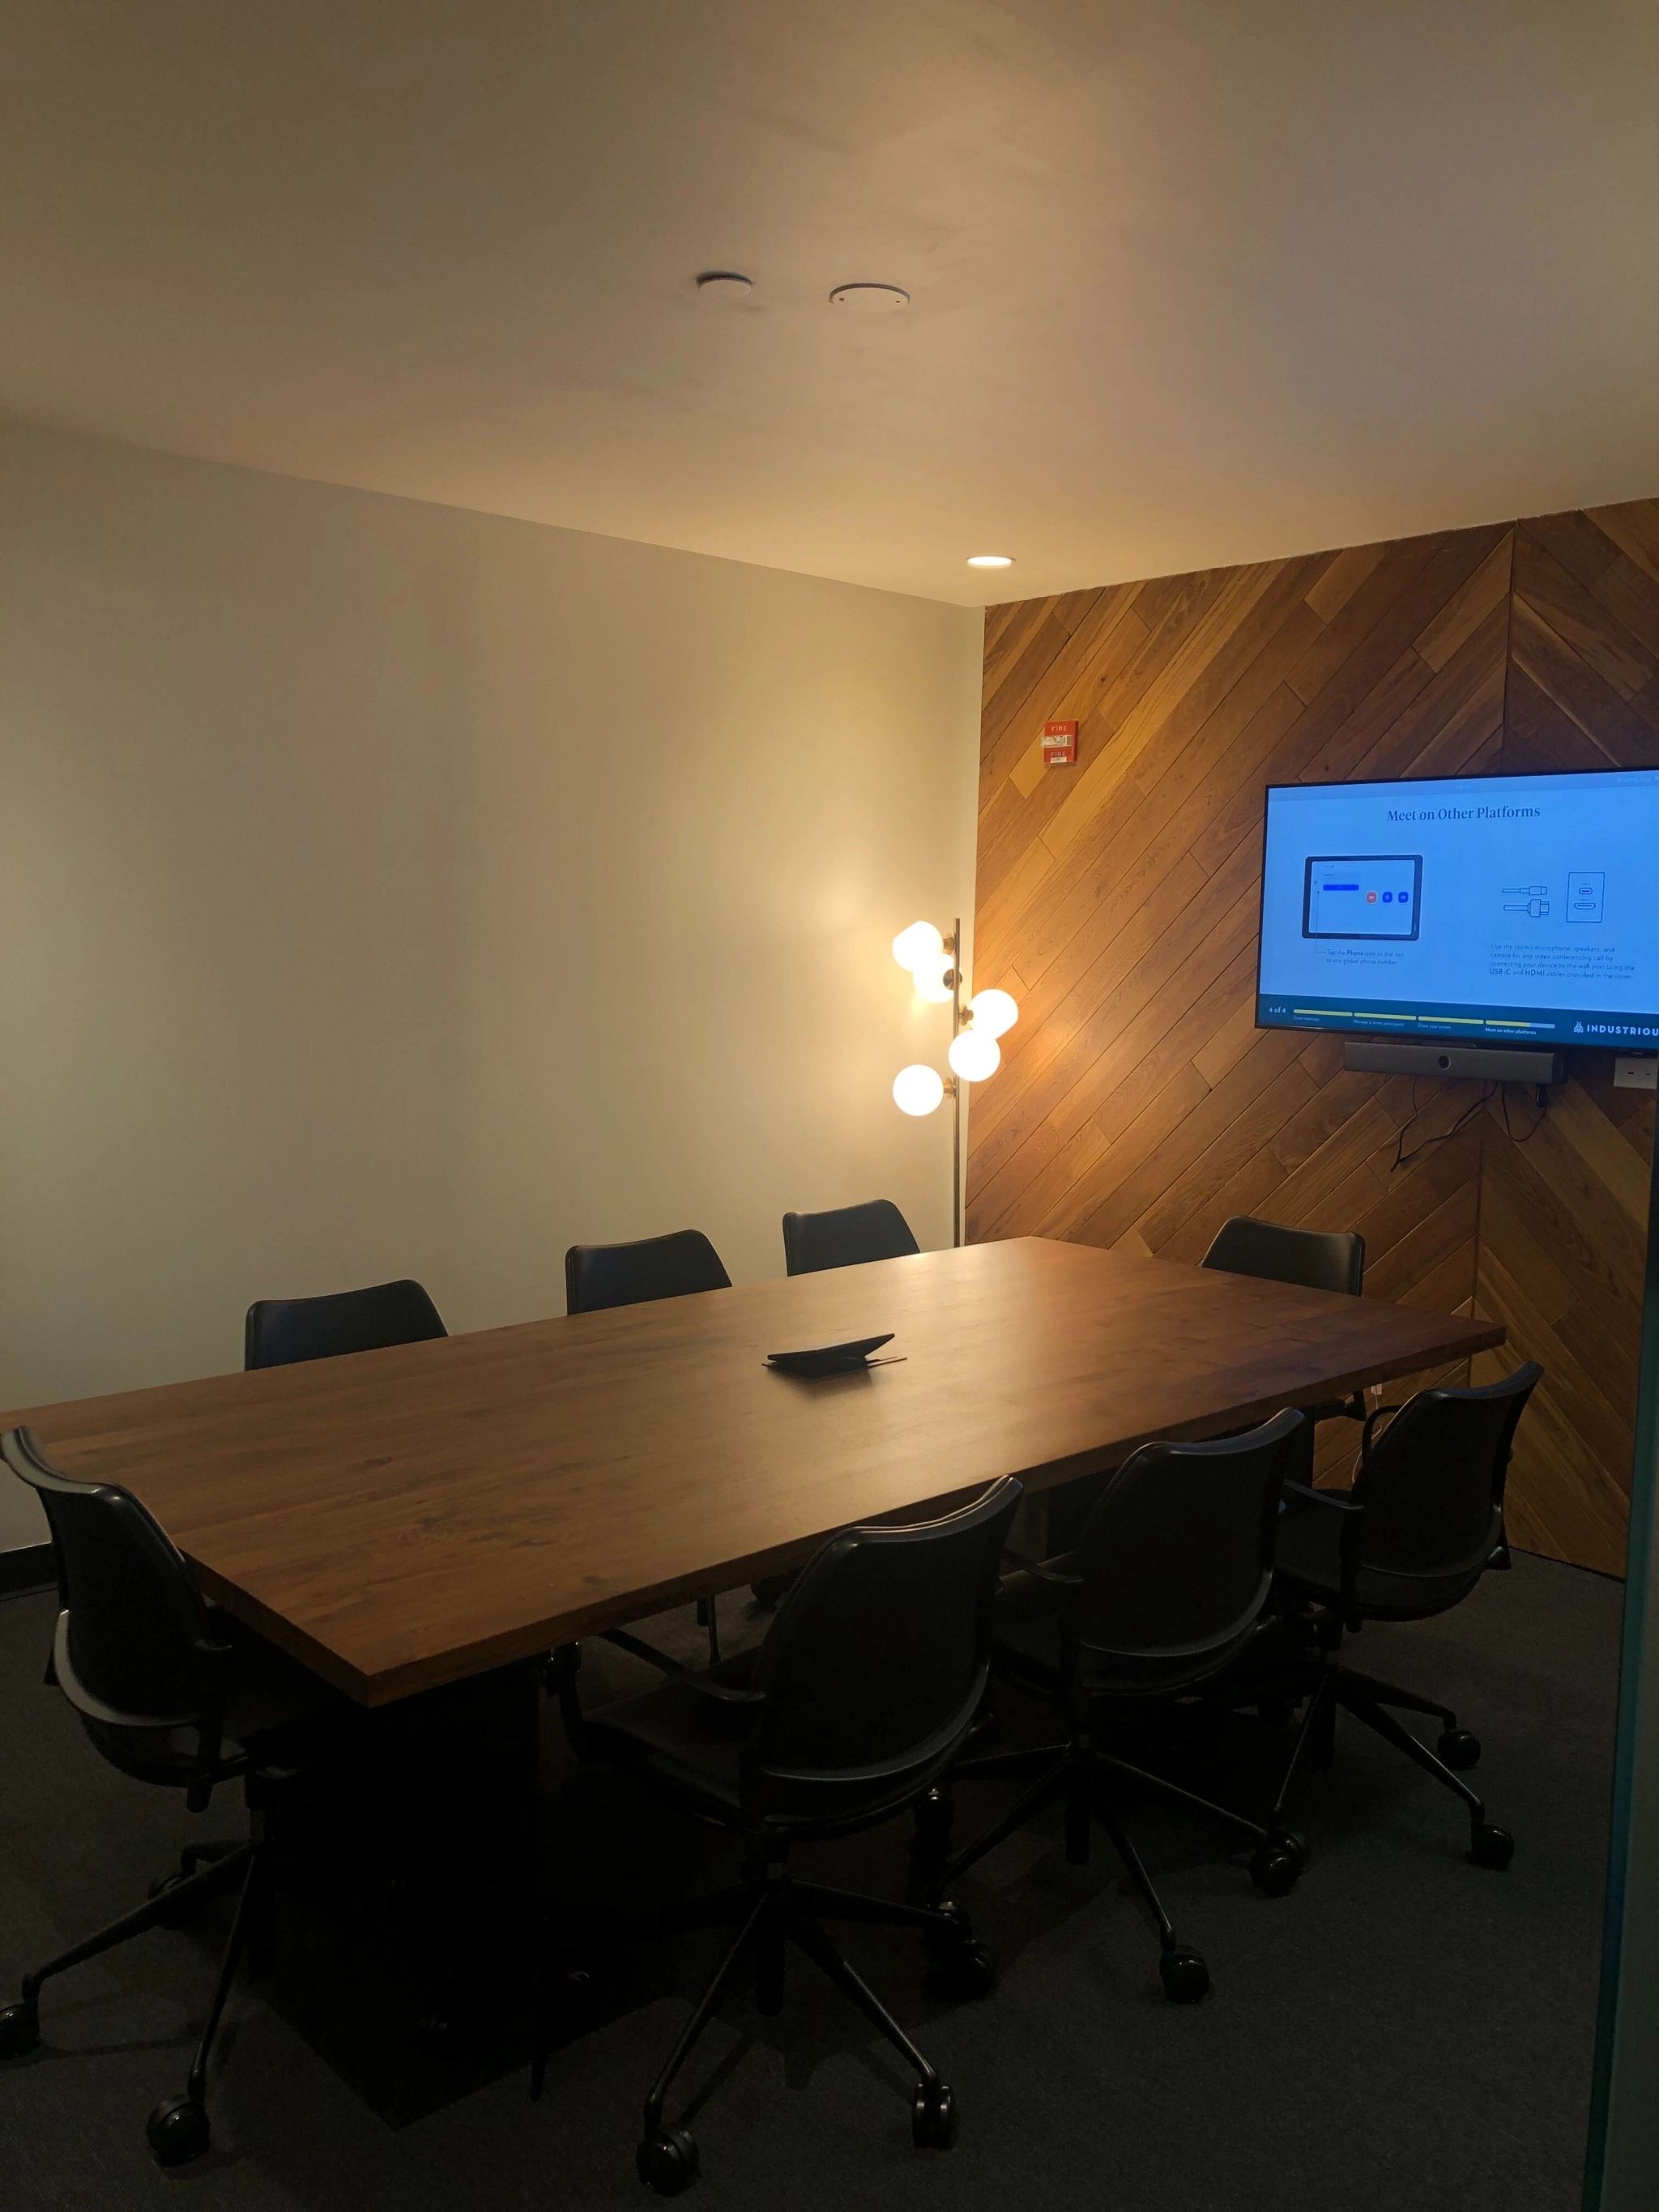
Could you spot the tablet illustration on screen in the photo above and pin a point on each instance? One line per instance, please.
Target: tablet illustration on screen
(1363, 895)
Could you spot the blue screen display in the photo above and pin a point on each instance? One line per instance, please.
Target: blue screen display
(1497, 910)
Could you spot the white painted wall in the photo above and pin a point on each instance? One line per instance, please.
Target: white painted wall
(390, 889)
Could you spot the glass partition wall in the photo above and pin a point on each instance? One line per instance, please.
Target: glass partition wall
(1622, 2168)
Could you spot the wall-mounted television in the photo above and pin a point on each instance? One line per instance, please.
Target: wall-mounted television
(1501, 910)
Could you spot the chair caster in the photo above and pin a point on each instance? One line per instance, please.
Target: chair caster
(666, 2159)
(178, 2131)
(935, 2123)
(19, 2028)
(957, 1934)
(1186, 1976)
(970, 1970)
(1277, 1861)
(934, 1815)
(1490, 1846)
(1459, 1749)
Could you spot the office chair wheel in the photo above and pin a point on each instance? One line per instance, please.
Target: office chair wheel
(667, 2159)
(935, 2123)
(947, 1942)
(20, 2029)
(1490, 1846)
(1277, 1861)
(1186, 1976)
(935, 1815)
(1459, 1749)
(178, 2131)
(970, 1970)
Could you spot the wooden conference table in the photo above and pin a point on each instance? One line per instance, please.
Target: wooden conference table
(405, 1518)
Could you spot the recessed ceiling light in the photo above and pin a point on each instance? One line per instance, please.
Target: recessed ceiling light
(723, 284)
(990, 560)
(869, 298)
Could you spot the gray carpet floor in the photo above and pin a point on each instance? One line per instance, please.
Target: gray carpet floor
(1404, 2030)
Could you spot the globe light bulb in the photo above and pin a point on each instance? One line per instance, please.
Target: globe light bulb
(994, 1013)
(917, 1090)
(930, 981)
(974, 1055)
(914, 948)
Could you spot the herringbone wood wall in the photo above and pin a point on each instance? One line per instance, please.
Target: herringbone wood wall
(1564, 1217)
(1139, 1106)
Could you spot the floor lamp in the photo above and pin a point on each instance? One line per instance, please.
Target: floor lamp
(934, 964)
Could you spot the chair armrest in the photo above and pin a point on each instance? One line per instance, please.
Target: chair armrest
(1353, 1515)
(688, 1677)
(1331, 1499)
(1371, 1420)
(1041, 1573)
(214, 1656)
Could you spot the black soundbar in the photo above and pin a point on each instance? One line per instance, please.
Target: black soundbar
(1483, 1063)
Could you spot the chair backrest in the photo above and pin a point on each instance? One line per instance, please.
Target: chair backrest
(878, 1655)
(280, 1331)
(1176, 1556)
(846, 1237)
(132, 1626)
(599, 1275)
(1432, 1483)
(1317, 1259)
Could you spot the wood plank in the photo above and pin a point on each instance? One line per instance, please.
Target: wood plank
(1487, 593)
(1580, 619)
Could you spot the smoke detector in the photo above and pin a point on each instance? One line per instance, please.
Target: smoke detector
(723, 285)
(869, 298)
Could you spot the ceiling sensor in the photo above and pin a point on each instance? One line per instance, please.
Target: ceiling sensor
(723, 284)
(990, 560)
(869, 298)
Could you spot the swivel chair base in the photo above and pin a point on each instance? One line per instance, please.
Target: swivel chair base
(1369, 1701)
(178, 2129)
(770, 1909)
(1077, 1772)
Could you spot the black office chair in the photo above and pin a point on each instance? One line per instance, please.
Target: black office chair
(1313, 1259)
(866, 1683)
(281, 1331)
(1164, 1594)
(170, 1691)
(597, 1276)
(1421, 1525)
(846, 1237)
(1317, 1259)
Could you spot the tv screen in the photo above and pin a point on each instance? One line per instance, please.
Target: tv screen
(1504, 909)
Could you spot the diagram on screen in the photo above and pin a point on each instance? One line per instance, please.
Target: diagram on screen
(1586, 894)
(1363, 895)
(1530, 899)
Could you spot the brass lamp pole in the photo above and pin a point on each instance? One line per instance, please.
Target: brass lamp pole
(934, 961)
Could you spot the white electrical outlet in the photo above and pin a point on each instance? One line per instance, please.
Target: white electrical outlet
(1636, 1071)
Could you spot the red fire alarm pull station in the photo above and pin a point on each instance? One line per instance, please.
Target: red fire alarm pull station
(1059, 745)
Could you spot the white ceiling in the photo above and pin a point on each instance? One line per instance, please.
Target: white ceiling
(1194, 281)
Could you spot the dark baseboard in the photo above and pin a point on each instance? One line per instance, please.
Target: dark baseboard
(28, 1567)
